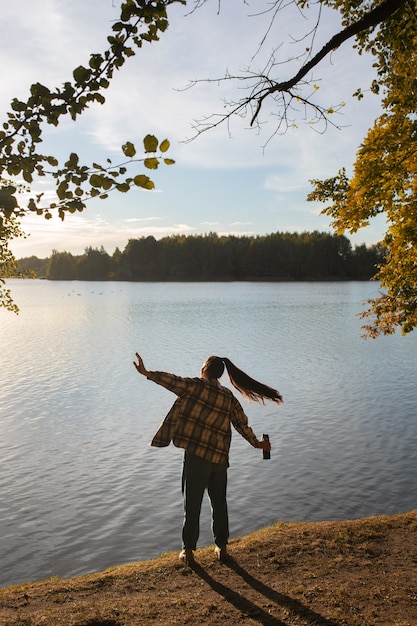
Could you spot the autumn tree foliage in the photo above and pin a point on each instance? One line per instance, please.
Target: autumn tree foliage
(384, 178)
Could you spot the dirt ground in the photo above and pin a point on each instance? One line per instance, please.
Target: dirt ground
(353, 573)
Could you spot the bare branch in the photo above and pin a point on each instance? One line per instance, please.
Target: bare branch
(373, 18)
(262, 86)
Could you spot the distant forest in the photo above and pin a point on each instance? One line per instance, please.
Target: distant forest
(278, 256)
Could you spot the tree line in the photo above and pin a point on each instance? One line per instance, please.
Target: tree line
(278, 256)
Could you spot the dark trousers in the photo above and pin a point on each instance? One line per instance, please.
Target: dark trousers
(197, 476)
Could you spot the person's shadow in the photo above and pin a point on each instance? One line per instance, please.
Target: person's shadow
(252, 610)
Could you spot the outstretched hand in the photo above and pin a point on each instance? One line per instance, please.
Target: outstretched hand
(140, 365)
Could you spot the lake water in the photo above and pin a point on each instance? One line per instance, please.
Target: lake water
(81, 490)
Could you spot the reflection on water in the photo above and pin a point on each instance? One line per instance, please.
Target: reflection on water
(80, 487)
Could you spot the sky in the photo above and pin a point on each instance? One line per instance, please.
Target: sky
(229, 180)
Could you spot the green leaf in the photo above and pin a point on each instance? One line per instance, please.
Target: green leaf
(35, 132)
(17, 105)
(13, 169)
(118, 26)
(129, 149)
(38, 90)
(72, 161)
(10, 189)
(7, 201)
(62, 189)
(81, 74)
(107, 183)
(27, 176)
(52, 161)
(96, 180)
(150, 143)
(98, 97)
(95, 61)
(75, 205)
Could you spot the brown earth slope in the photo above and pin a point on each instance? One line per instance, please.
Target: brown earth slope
(353, 573)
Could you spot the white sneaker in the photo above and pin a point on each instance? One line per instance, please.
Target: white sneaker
(221, 553)
(187, 555)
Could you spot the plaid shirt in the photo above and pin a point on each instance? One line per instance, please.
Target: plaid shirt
(200, 418)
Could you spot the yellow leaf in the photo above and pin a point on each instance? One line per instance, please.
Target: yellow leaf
(151, 164)
(143, 181)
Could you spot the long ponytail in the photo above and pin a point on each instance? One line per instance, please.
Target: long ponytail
(248, 387)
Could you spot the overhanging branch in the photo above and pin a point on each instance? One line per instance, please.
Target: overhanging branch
(373, 18)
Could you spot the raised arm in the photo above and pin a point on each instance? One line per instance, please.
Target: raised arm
(140, 367)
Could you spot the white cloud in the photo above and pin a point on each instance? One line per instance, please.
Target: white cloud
(134, 220)
(78, 232)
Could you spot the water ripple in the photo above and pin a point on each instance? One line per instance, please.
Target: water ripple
(80, 489)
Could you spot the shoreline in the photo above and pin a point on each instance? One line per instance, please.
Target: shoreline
(352, 573)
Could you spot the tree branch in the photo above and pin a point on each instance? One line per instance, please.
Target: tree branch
(374, 17)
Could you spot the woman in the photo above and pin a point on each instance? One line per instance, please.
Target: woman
(200, 422)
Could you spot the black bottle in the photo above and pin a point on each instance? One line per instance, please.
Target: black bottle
(266, 453)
